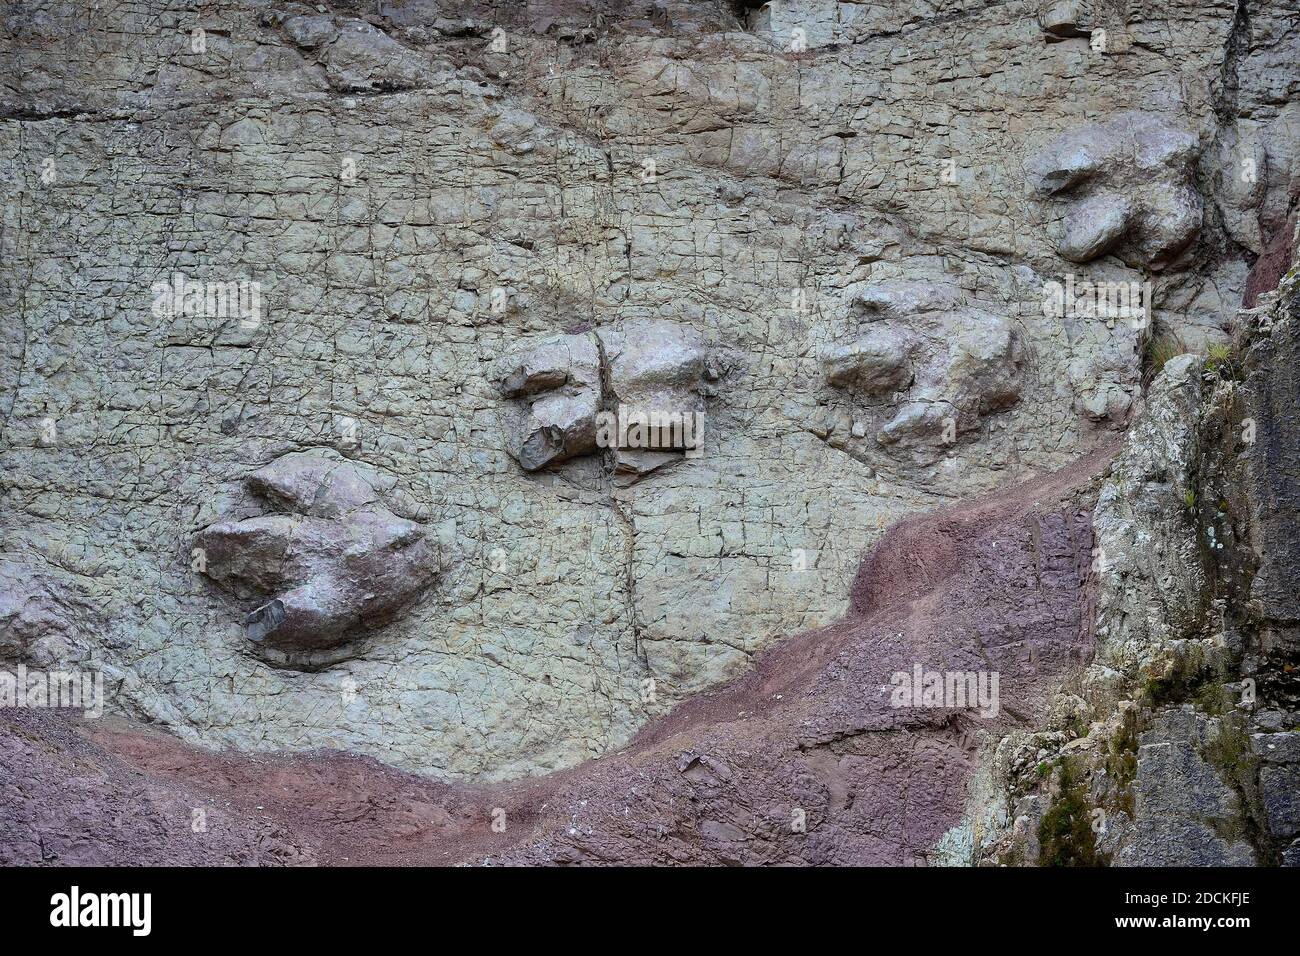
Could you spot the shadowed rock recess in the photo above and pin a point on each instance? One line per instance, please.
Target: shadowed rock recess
(673, 432)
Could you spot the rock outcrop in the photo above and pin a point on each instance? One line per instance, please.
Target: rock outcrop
(1177, 745)
(933, 364)
(446, 239)
(1125, 185)
(811, 758)
(627, 390)
(656, 374)
(555, 390)
(335, 559)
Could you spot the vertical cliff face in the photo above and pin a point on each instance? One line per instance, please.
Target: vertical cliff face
(316, 313)
(1179, 744)
(1145, 709)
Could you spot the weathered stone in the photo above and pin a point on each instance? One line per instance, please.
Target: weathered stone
(557, 389)
(987, 363)
(1280, 789)
(320, 483)
(1065, 18)
(1179, 799)
(655, 364)
(940, 364)
(656, 375)
(341, 561)
(1094, 226)
(41, 622)
(549, 365)
(357, 56)
(415, 203)
(1125, 185)
(1291, 856)
(902, 299)
(1190, 755)
(874, 365)
(921, 421)
(557, 427)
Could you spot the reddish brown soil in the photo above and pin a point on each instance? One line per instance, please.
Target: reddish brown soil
(997, 585)
(1271, 266)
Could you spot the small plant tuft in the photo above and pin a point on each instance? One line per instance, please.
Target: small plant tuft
(1157, 350)
(1220, 359)
(1065, 832)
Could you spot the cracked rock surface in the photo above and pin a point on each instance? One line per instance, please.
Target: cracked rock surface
(336, 560)
(805, 760)
(1177, 745)
(421, 190)
(1122, 185)
(557, 392)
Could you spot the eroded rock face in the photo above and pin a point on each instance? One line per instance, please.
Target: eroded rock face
(808, 759)
(356, 56)
(1185, 813)
(335, 559)
(1123, 186)
(41, 622)
(936, 364)
(69, 802)
(556, 392)
(1180, 745)
(877, 363)
(417, 199)
(642, 376)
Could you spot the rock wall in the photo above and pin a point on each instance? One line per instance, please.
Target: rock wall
(265, 228)
(1178, 745)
